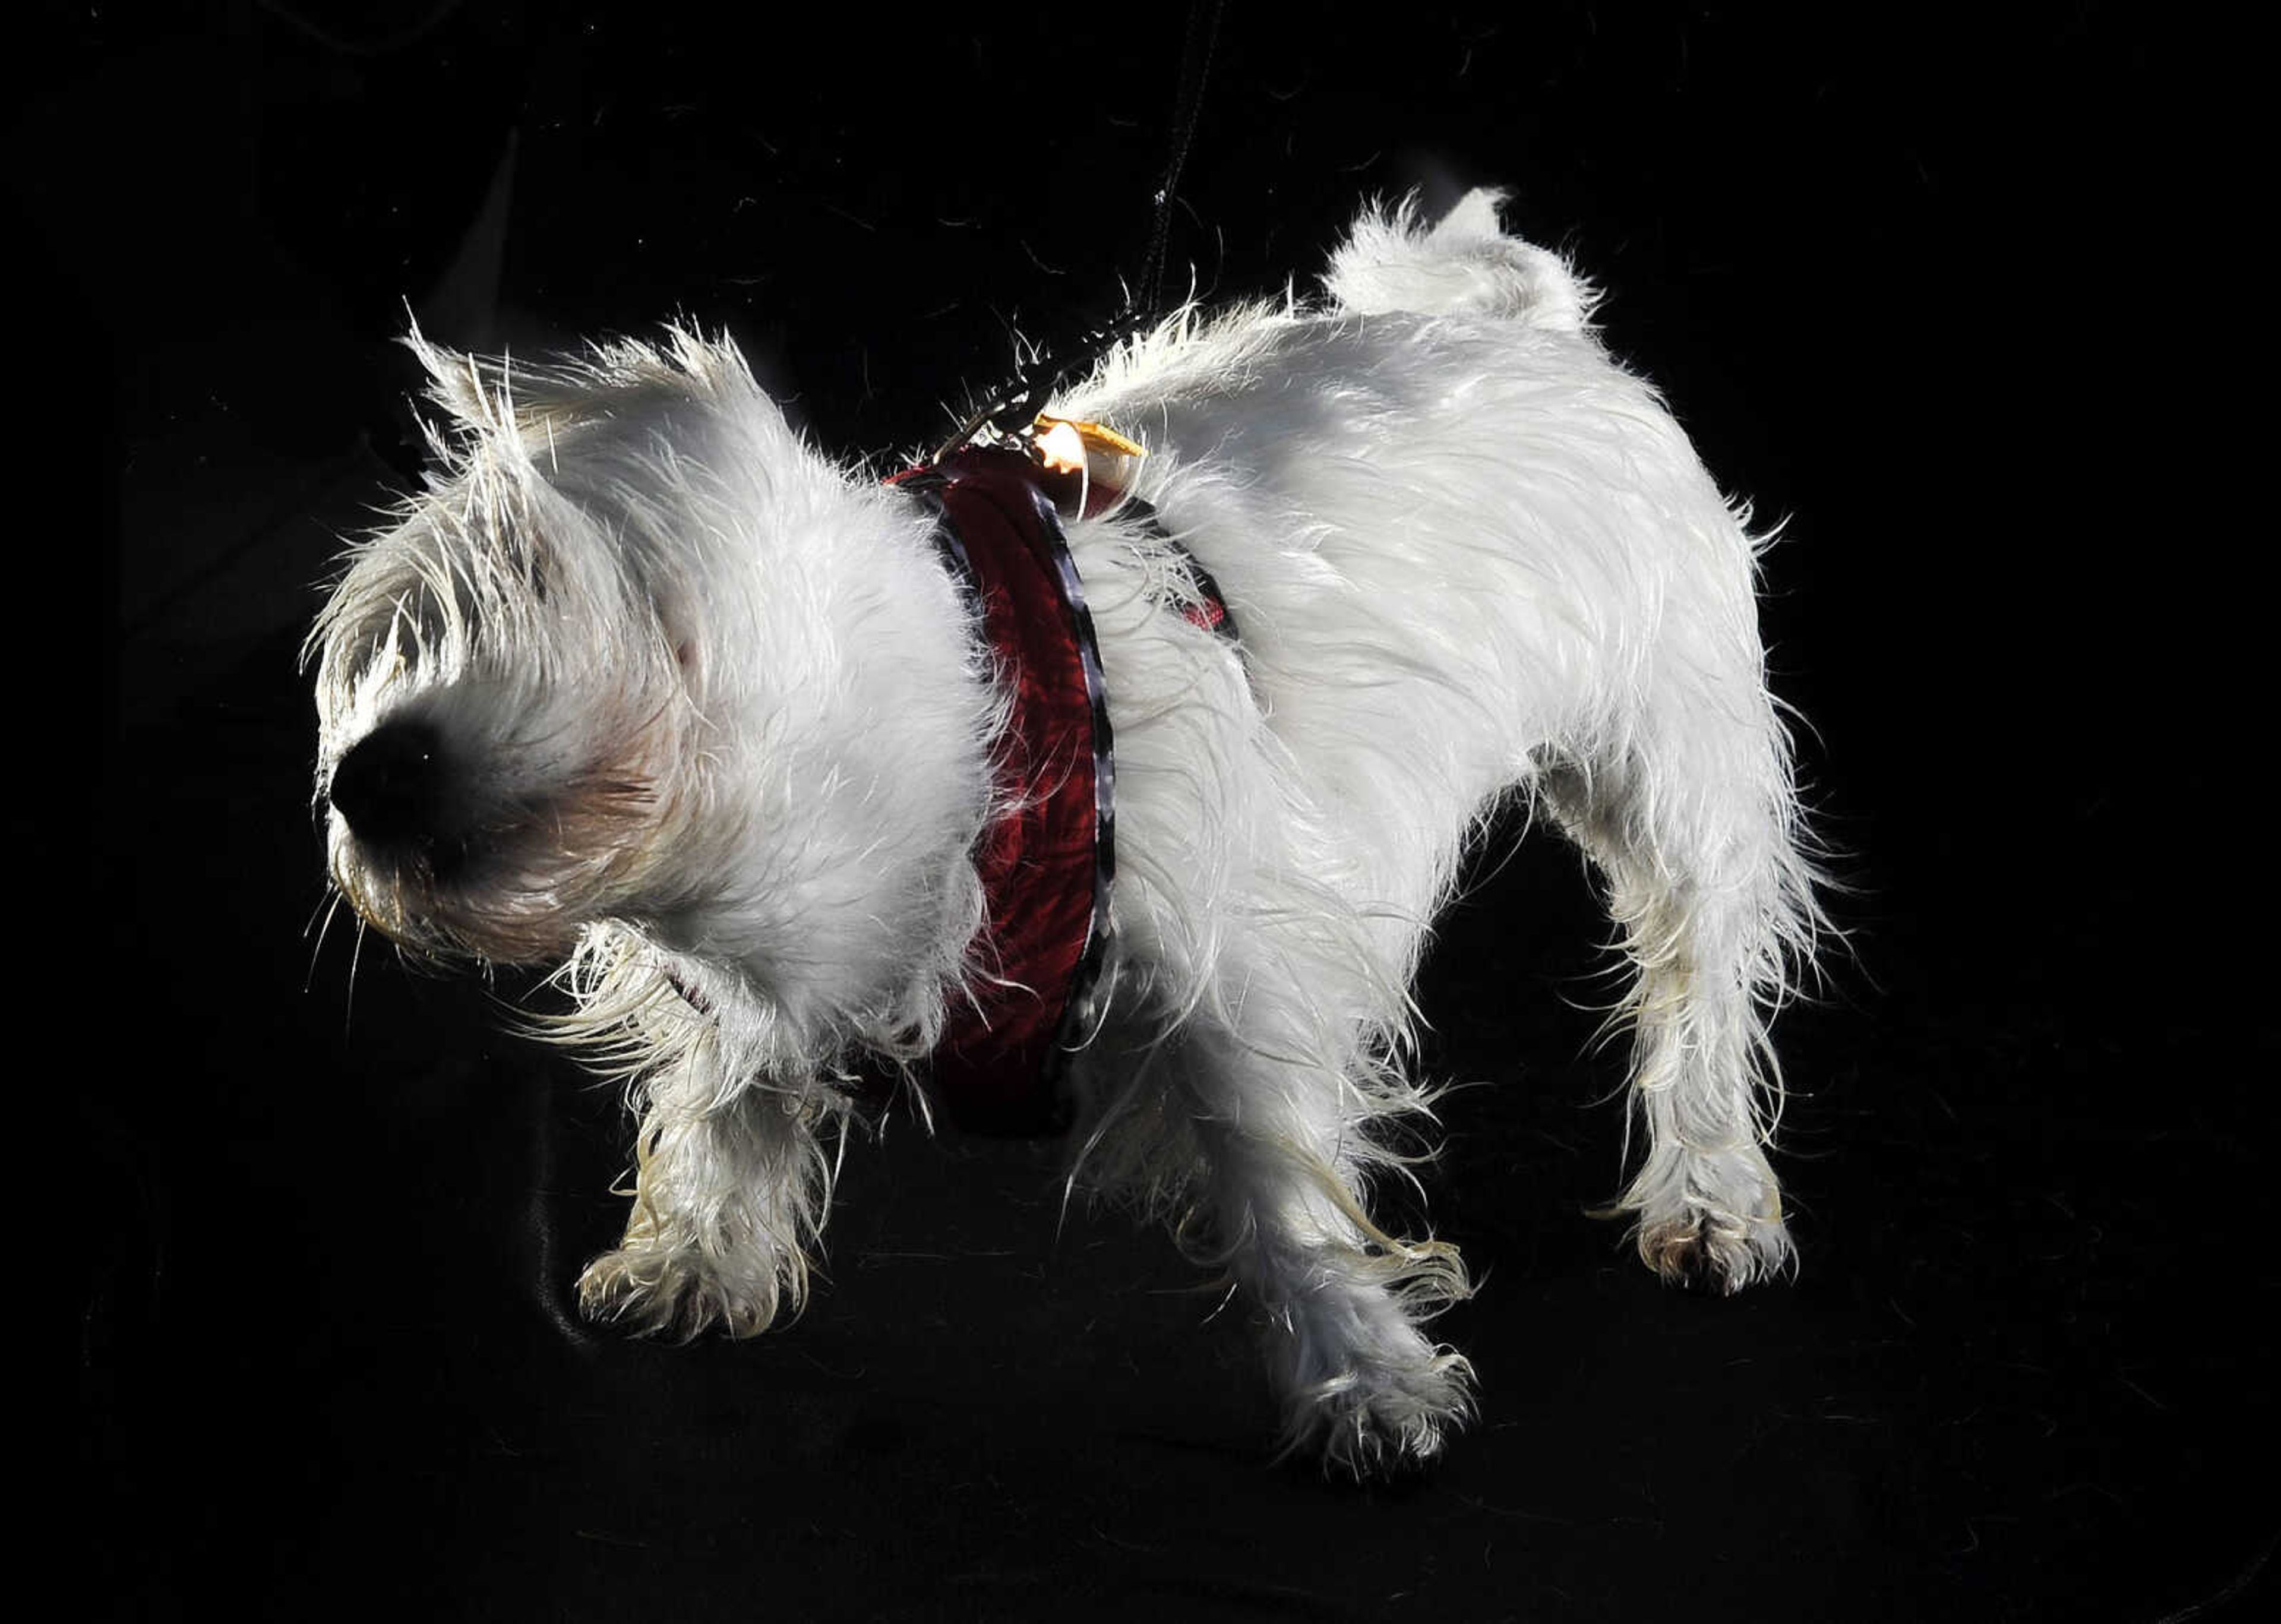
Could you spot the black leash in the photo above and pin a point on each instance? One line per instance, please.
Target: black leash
(1013, 407)
(1195, 65)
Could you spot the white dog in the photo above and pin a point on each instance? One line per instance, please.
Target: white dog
(807, 779)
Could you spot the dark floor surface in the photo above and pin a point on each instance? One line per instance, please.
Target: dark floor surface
(327, 1363)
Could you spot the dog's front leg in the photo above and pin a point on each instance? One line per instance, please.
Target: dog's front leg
(729, 1197)
(1283, 1210)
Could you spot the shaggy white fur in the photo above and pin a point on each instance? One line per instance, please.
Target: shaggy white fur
(643, 685)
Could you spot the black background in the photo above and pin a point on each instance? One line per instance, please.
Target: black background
(1947, 290)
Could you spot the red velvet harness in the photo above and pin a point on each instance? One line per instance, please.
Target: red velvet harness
(1049, 856)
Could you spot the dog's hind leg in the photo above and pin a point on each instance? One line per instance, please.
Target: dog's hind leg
(1693, 824)
(1278, 1125)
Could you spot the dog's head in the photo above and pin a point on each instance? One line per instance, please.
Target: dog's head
(512, 675)
(637, 654)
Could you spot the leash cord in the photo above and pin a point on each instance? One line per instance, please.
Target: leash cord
(1195, 67)
(1012, 408)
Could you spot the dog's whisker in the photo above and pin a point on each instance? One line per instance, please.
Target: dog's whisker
(321, 920)
(348, 987)
(320, 914)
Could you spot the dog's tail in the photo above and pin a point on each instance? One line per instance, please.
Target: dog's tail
(1465, 265)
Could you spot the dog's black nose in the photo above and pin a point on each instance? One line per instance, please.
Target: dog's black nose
(389, 786)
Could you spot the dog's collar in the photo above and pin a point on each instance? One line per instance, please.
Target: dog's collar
(1049, 858)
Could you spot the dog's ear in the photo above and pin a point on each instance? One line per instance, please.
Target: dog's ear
(496, 396)
(459, 383)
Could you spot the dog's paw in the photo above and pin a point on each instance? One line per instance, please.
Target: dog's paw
(1376, 1420)
(1713, 1220)
(1366, 1391)
(1384, 1420)
(1716, 1251)
(676, 1293)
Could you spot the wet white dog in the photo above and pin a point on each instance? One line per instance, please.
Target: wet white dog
(807, 779)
